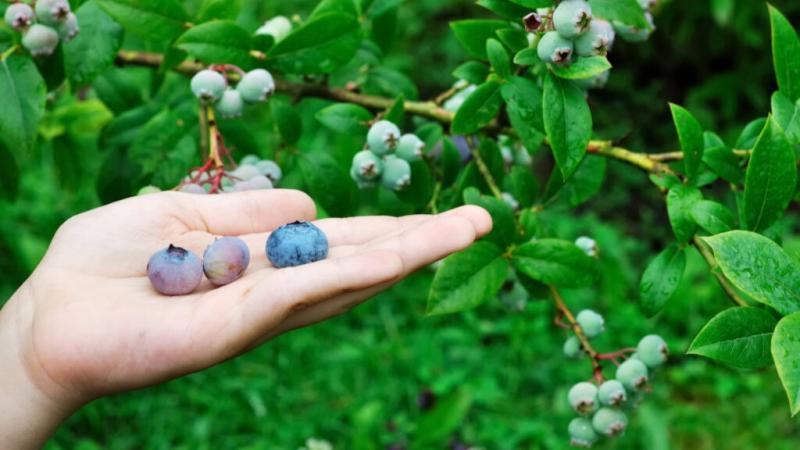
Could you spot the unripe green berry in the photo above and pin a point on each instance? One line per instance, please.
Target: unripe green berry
(52, 12)
(588, 245)
(591, 323)
(208, 85)
(572, 18)
(230, 104)
(193, 188)
(148, 190)
(367, 165)
(648, 5)
(245, 172)
(612, 393)
(609, 422)
(652, 351)
(572, 348)
(597, 41)
(583, 398)
(634, 34)
(410, 148)
(19, 16)
(260, 182)
(271, 170)
(256, 86)
(278, 27)
(69, 29)
(383, 137)
(510, 200)
(581, 433)
(361, 182)
(632, 374)
(396, 173)
(522, 157)
(249, 160)
(40, 40)
(554, 48)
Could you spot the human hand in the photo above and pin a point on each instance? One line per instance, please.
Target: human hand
(88, 323)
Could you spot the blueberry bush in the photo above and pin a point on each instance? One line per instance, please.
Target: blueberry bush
(641, 285)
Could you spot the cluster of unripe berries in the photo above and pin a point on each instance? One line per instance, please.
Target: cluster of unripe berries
(386, 158)
(43, 25)
(570, 30)
(177, 271)
(252, 174)
(601, 407)
(211, 87)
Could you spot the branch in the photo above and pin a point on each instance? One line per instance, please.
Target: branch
(594, 356)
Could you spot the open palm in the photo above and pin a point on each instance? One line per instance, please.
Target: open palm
(89, 323)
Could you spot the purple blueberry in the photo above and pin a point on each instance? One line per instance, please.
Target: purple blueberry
(175, 271)
(225, 260)
(296, 244)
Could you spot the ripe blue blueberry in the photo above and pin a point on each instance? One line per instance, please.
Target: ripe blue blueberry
(554, 48)
(175, 271)
(278, 27)
(632, 374)
(572, 348)
(632, 33)
(256, 86)
(230, 104)
(271, 170)
(396, 173)
(588, 245)
(410, 148)
(225, 260)
(597, 41)
(295, 244)
(652, 351)
(581, 433)
(591, 323)
(572, 18)
(40, 40)
(383, 137)
(52, 12)
(19, 16)
(208, 85)
(612, 393)
(69, 29)
(367, 166)
(583, 398)
(609, 422)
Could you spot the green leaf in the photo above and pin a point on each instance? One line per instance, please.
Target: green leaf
(95, 47)
(9, 175)
(750, 134)
(628, 12)
(397, 112)
(504, 8)
(584, 184)
(421, 189)
(218, 10)
(582, 68)
(661, 279)
(321, 45)
(771, 178)
(680, 201)
(786, 353)
(480, 108)
(151, 20)
(288, 120)
(533, 4)
(514, 38)
(785, 54)
(524, 107)
(473, 72)
(344, 6)
(473, 33)
(568, 123)
(521, 183)
(218, 42)
(467, 279)
(389, 82)
(690, 134)
(759, 267)
(787, 115)
(328, 183)
(712, 216)
(438, 424)
(22, 94)
(345, 118)
(155, 142)
(555, 262)
(526, 57)
(498, 57)
(721, 159)
(504, 229)
(737, 337)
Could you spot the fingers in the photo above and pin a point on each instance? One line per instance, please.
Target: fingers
(239, 213)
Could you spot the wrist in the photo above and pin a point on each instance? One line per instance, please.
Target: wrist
(32, 406)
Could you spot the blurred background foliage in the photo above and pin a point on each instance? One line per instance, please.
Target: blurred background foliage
(385, 375)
